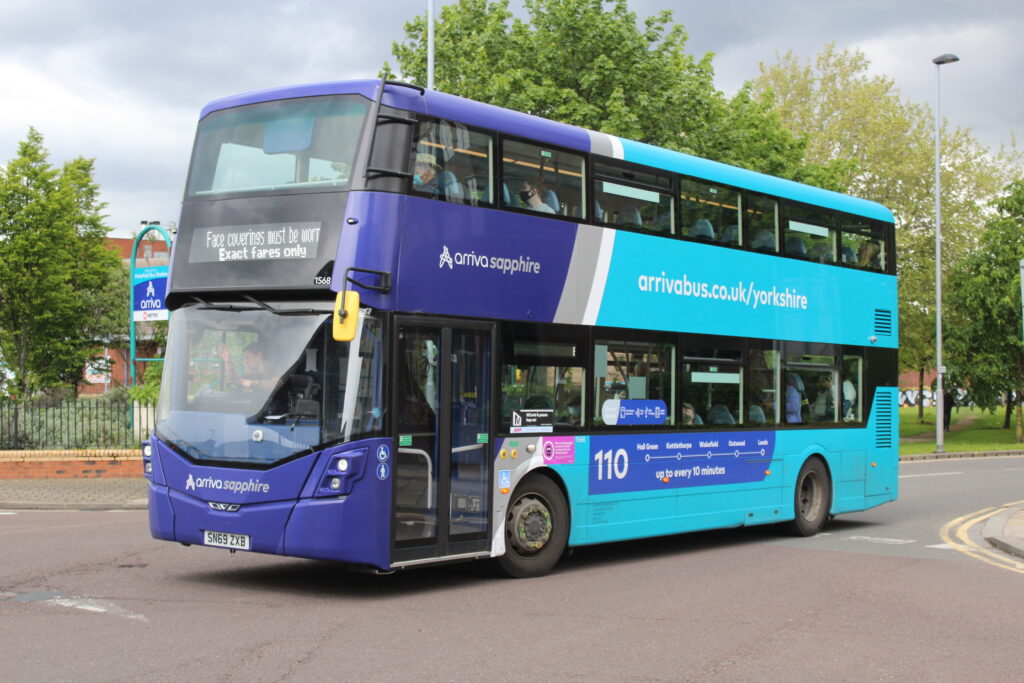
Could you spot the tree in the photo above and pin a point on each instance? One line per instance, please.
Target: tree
(984, 338)
(576, 62)
(56, 273)
(887, 145)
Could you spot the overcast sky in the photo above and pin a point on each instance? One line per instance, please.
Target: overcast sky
(123, 81)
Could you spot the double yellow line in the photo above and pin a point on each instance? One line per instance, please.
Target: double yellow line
(956, 534)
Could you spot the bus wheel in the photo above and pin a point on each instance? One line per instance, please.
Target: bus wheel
(536, 528)
(812, 499)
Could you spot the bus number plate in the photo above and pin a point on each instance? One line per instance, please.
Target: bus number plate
(222, 539)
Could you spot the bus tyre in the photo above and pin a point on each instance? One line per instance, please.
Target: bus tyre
(536, 528)
(812, 499)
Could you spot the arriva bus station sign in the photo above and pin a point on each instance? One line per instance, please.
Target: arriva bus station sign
(149, 294)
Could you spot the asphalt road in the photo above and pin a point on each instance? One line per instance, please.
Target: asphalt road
(89, 596)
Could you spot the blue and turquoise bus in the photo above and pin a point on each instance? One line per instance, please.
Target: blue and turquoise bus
(409, 328)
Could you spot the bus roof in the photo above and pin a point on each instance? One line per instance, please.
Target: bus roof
(515, 123)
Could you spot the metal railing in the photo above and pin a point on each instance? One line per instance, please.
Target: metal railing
(83, 423)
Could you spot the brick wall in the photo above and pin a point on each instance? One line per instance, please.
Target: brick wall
(70, 464)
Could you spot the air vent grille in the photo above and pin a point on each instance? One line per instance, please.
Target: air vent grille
(885, 410)
(883, 322)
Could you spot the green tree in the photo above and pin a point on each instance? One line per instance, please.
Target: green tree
(598, 67)
(882, 148)
(57, 277)
(985, 334)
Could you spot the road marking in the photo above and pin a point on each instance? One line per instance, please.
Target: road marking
(961, 527)
(936, 474)
(883, 541)
(941, 546)
(98, 607)
(8, 513)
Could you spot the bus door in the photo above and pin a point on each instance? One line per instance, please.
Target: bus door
(443, 386)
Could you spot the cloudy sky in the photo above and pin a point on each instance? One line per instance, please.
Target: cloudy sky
(123, 81)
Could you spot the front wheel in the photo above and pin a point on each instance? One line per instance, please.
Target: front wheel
(812, 499)
(536, 528)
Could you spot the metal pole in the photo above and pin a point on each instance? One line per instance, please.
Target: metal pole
(430, 44)
(940, 370)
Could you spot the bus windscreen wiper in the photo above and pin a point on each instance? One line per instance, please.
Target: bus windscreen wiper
(207, 306)
(288, 311)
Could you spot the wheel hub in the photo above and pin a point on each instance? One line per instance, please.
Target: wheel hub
(529, 525)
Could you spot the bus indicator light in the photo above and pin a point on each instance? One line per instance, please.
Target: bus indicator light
(505, 491)
(665, 479)
(503, 454)
(767, 473)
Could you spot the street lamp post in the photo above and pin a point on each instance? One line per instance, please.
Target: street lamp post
(940, 370)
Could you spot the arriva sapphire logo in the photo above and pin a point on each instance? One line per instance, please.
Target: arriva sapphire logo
(233, 485)
(505, 265)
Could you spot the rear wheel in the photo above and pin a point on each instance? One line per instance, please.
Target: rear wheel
(536, 528)
(812, 499)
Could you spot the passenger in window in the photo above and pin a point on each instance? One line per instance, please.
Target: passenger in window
(849, 400)
(825, 401)
(794, 399)
(530, 193)
(867, 257)
(425, 177)
(690, 418)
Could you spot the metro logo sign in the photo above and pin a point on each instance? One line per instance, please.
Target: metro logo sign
(149, 294)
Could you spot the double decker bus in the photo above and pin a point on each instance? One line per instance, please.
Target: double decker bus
(410, 328)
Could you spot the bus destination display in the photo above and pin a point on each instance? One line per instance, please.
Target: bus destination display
(260, 242)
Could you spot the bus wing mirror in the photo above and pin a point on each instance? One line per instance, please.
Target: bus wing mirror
(346, 313)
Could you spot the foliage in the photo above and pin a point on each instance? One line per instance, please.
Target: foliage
(147, 391)
(578, 62)
(883, 148)
(57, 277)
(984, 338)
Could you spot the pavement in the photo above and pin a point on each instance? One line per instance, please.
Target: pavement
(1004, 530)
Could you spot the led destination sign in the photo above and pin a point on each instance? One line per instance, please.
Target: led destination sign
(259, 242)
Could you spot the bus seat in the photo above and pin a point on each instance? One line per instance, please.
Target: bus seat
(795, 246)
(551, 199)
(629, 216)
(702, 229)
(720, 415)
(731, 235)
(598, 211)
(755, 415)
(764, 240)
(450, 186)
(506, 196)
(848, 256)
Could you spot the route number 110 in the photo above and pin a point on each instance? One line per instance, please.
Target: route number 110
(612, 466)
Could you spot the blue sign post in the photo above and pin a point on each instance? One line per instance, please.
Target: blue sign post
(148, 293)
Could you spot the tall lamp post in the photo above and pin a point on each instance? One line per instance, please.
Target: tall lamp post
(940, 370)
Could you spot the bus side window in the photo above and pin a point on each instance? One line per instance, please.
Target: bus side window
(452, 163)
(761, 223)
(708, 212)
(636, 371)
(810, 234)
(762, 395)
(542, 179)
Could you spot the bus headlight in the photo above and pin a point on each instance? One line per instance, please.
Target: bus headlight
(342, 465)
(147, 450)
(335, 483)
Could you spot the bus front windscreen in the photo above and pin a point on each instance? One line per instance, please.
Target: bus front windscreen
(304, 143)
(256, 385)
